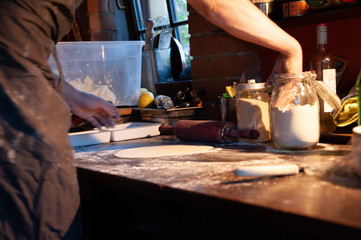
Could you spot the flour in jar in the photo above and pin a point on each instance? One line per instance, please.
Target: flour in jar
(254, 114)
(296, 126)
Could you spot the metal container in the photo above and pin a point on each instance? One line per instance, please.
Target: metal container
(228, 109)
(266, 6)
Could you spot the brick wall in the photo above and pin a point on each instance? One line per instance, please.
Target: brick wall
(219, 59)
(99, 20)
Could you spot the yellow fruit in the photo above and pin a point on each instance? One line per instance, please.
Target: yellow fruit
(143, 90)
(146, 99)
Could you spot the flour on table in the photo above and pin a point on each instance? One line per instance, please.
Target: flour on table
(162, 151)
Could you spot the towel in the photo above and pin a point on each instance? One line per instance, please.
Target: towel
(348, 113)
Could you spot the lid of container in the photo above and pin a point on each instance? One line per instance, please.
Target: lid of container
(250, 85)
(327, 95)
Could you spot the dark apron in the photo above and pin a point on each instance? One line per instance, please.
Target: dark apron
(39, 194)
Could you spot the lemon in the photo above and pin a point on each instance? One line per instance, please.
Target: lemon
(143, 90)
(146, 99)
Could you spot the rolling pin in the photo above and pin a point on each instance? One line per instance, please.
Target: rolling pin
(208, 131)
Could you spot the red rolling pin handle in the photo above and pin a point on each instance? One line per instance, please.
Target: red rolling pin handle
(166, 129)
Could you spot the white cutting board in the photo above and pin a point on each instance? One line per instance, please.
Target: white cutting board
(133, 130)
(120, 132)
(91, 137)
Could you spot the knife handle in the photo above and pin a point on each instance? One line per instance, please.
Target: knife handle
(149, 35)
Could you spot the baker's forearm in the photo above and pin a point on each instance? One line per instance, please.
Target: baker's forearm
(90, 107)
(70, 93)
(242, 19)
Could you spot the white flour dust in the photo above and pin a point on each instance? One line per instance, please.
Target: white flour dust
(162, 151)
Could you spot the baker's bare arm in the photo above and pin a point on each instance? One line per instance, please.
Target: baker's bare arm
(242, 19)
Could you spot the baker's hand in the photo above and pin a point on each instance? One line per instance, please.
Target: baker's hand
(286, 94)
(278, 68)
(90, 107)
(283, 64)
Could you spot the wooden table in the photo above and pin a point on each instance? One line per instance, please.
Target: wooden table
(199, 196)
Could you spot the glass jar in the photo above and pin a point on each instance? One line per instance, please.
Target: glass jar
(252, 108)
(295, 111)
(163, 102)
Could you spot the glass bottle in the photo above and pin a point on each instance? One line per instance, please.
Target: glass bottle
(323, 63)
(163, 102)
(252, 109)
(294, 112)
(179, 98)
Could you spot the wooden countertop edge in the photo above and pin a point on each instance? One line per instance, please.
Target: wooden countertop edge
(235, 211)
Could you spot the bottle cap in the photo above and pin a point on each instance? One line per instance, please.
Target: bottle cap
(168, 104)
(322, 26)
(321, 33)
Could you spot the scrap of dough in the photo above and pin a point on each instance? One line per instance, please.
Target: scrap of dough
(161, 151)
(269, 170)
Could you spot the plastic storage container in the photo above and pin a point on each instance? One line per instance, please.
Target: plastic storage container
(111, 70)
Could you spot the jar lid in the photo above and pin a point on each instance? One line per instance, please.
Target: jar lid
(251, 85)
(327, 95)
(290, 76)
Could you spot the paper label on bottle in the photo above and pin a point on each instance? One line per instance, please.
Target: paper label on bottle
(329, 78)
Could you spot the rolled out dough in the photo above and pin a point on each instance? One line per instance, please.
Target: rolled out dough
(161, 151)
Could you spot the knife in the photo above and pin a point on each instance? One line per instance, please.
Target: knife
(149, 70)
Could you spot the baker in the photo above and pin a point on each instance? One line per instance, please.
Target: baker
(39, 196)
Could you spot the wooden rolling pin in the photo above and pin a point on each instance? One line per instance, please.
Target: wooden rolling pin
(208, 131)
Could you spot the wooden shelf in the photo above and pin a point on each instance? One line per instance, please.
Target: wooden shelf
(325, 15)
